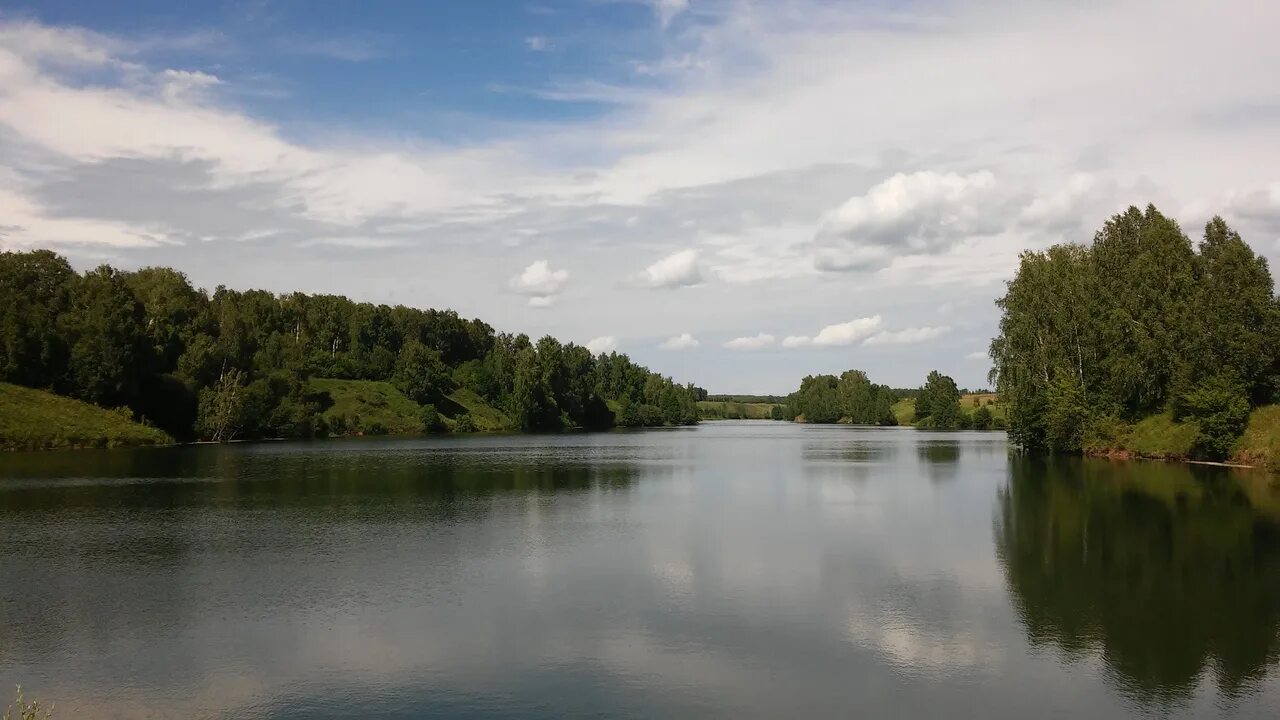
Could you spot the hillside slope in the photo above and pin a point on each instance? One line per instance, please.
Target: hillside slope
(373, 407)
(39, 420)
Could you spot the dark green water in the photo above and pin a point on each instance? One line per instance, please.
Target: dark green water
(732, 570)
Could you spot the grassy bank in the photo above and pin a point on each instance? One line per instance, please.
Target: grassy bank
(1160, 437)
(372, 407)
(38, 420)
(733, 410)
(1260, 444)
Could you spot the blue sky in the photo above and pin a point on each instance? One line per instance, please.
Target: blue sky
(736, 193)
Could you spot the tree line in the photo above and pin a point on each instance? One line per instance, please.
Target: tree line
(853, 398)
(1138, 323)
(235, 364)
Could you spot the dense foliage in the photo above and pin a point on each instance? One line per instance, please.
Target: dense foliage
(938, 404)
(1137, 324)
(850, 398)
(235, 364)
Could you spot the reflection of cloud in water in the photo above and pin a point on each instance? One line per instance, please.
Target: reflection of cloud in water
(727, 578)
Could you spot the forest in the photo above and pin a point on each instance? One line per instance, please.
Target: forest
(235, 364)
(1139, 332)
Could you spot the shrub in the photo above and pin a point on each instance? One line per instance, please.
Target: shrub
(430, 418)
(464, 424)
(1221, 408)
(982, 418)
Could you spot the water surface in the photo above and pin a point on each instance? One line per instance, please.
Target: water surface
(730, 570)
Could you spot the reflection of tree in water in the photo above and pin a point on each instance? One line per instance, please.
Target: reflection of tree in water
(136, 531)
(940, 459)
(1167, 570)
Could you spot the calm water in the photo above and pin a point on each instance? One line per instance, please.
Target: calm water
(735, 570)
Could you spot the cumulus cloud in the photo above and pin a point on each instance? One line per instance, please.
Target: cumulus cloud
(602, 344)
(751, 342)
(838, 335)
(537, 43)
(923, 211)
(679, 269)
(99, 161)
(908, 336)
(683, 341)
(978, 355)
(540, 283)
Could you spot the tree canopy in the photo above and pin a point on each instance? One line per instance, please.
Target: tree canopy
(235, 364)
(1137, 323)
(850, 398)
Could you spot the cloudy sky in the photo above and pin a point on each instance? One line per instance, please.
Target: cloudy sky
(734, 193)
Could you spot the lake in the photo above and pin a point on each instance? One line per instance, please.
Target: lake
(749, 569)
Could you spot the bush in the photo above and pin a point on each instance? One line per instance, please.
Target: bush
(431, 420)
(464, 424)
(982, 418)
(1221, 408)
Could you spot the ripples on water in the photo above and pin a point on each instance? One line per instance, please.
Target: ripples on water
(736, 569)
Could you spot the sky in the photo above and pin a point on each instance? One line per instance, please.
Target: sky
(734, 193)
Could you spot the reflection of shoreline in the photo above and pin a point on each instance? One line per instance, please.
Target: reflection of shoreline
(1168, 571)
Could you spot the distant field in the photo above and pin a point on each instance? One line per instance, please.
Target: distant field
(905, 409)
(38, 420)
(730, 410)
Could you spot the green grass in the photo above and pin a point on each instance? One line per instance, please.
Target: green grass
(38, 420)
(904, 411)
(729, 410)
(367, 407)
(486, 417)
(377, 407)
(1157, 437)
(1260, 444)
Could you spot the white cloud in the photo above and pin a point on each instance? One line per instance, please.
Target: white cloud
(774, 138)
(756, 342)
(978, 355)
(679, 269)
(917, 212)
(908, 336)
(187, 82)
(602, 344)
(540, 283)
(838, 335)
(667, 10)
(683, 341)
(537, 43)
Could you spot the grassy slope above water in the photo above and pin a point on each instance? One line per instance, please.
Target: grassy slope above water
(1160, 437)
(376, 407)
(38, 420)
(1260, 444)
